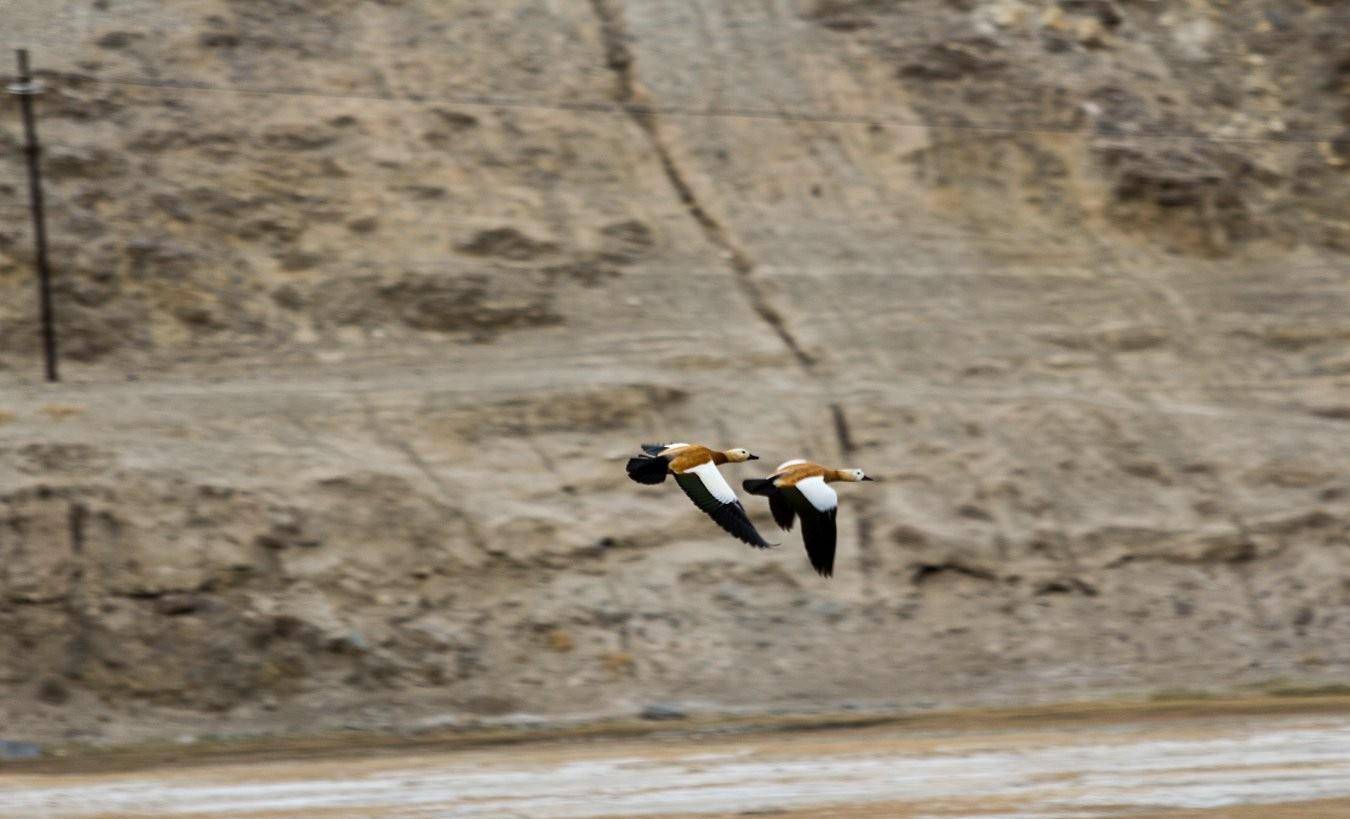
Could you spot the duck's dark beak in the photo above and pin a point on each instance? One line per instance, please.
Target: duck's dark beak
(753, 458)
(868, 478)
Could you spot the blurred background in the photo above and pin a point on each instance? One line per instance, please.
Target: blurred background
(362, 305)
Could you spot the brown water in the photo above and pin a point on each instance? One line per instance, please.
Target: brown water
(1190, 765)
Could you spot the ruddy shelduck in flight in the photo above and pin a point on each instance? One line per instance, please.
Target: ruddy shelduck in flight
(695, 470)
(801, 489)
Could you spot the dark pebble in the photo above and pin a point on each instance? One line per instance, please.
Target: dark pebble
(663, 712)
(10, 749)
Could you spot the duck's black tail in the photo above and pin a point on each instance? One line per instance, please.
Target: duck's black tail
(648, 470)
(759, 486)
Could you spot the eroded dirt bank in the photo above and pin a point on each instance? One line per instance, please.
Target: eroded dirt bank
(363, 304)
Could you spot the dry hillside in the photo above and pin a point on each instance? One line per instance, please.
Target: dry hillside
(362, 304)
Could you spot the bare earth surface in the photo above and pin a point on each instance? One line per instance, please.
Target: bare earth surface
(1192, 762)
(363, 305)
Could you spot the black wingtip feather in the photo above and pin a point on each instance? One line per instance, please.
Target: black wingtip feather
(730, 516)
(819, 535)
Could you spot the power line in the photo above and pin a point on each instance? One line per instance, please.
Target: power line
(1026, 251)
(453, 264)
(711, 112)
(70, 42)
(1003, 238)
(610, 108)
(1289, 29)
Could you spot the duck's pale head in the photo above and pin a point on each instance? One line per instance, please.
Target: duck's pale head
(854, 475)
(739, 455)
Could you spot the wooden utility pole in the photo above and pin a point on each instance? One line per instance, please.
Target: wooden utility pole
(25, 89)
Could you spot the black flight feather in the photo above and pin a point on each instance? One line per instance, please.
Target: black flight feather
(782, 511)
(818, 531)
(730, 516)
(780, 506)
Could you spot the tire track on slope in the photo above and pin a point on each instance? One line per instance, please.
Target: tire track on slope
(629, 94)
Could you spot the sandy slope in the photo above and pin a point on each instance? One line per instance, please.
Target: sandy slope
(1069, 277)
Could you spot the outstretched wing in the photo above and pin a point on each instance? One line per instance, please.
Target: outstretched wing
(710, 492)
(816, 504)
(782, 510)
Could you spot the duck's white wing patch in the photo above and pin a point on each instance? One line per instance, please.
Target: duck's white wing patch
(672, 447)
(711, 493)
(818, 493)
(786, 464)
(714, 482)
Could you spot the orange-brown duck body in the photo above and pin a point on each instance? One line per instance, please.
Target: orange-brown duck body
(695, 469)
(800, 489)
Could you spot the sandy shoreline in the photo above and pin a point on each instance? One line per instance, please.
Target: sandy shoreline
(1194, 759)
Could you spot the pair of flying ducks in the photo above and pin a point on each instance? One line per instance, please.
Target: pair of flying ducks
(796, 489)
